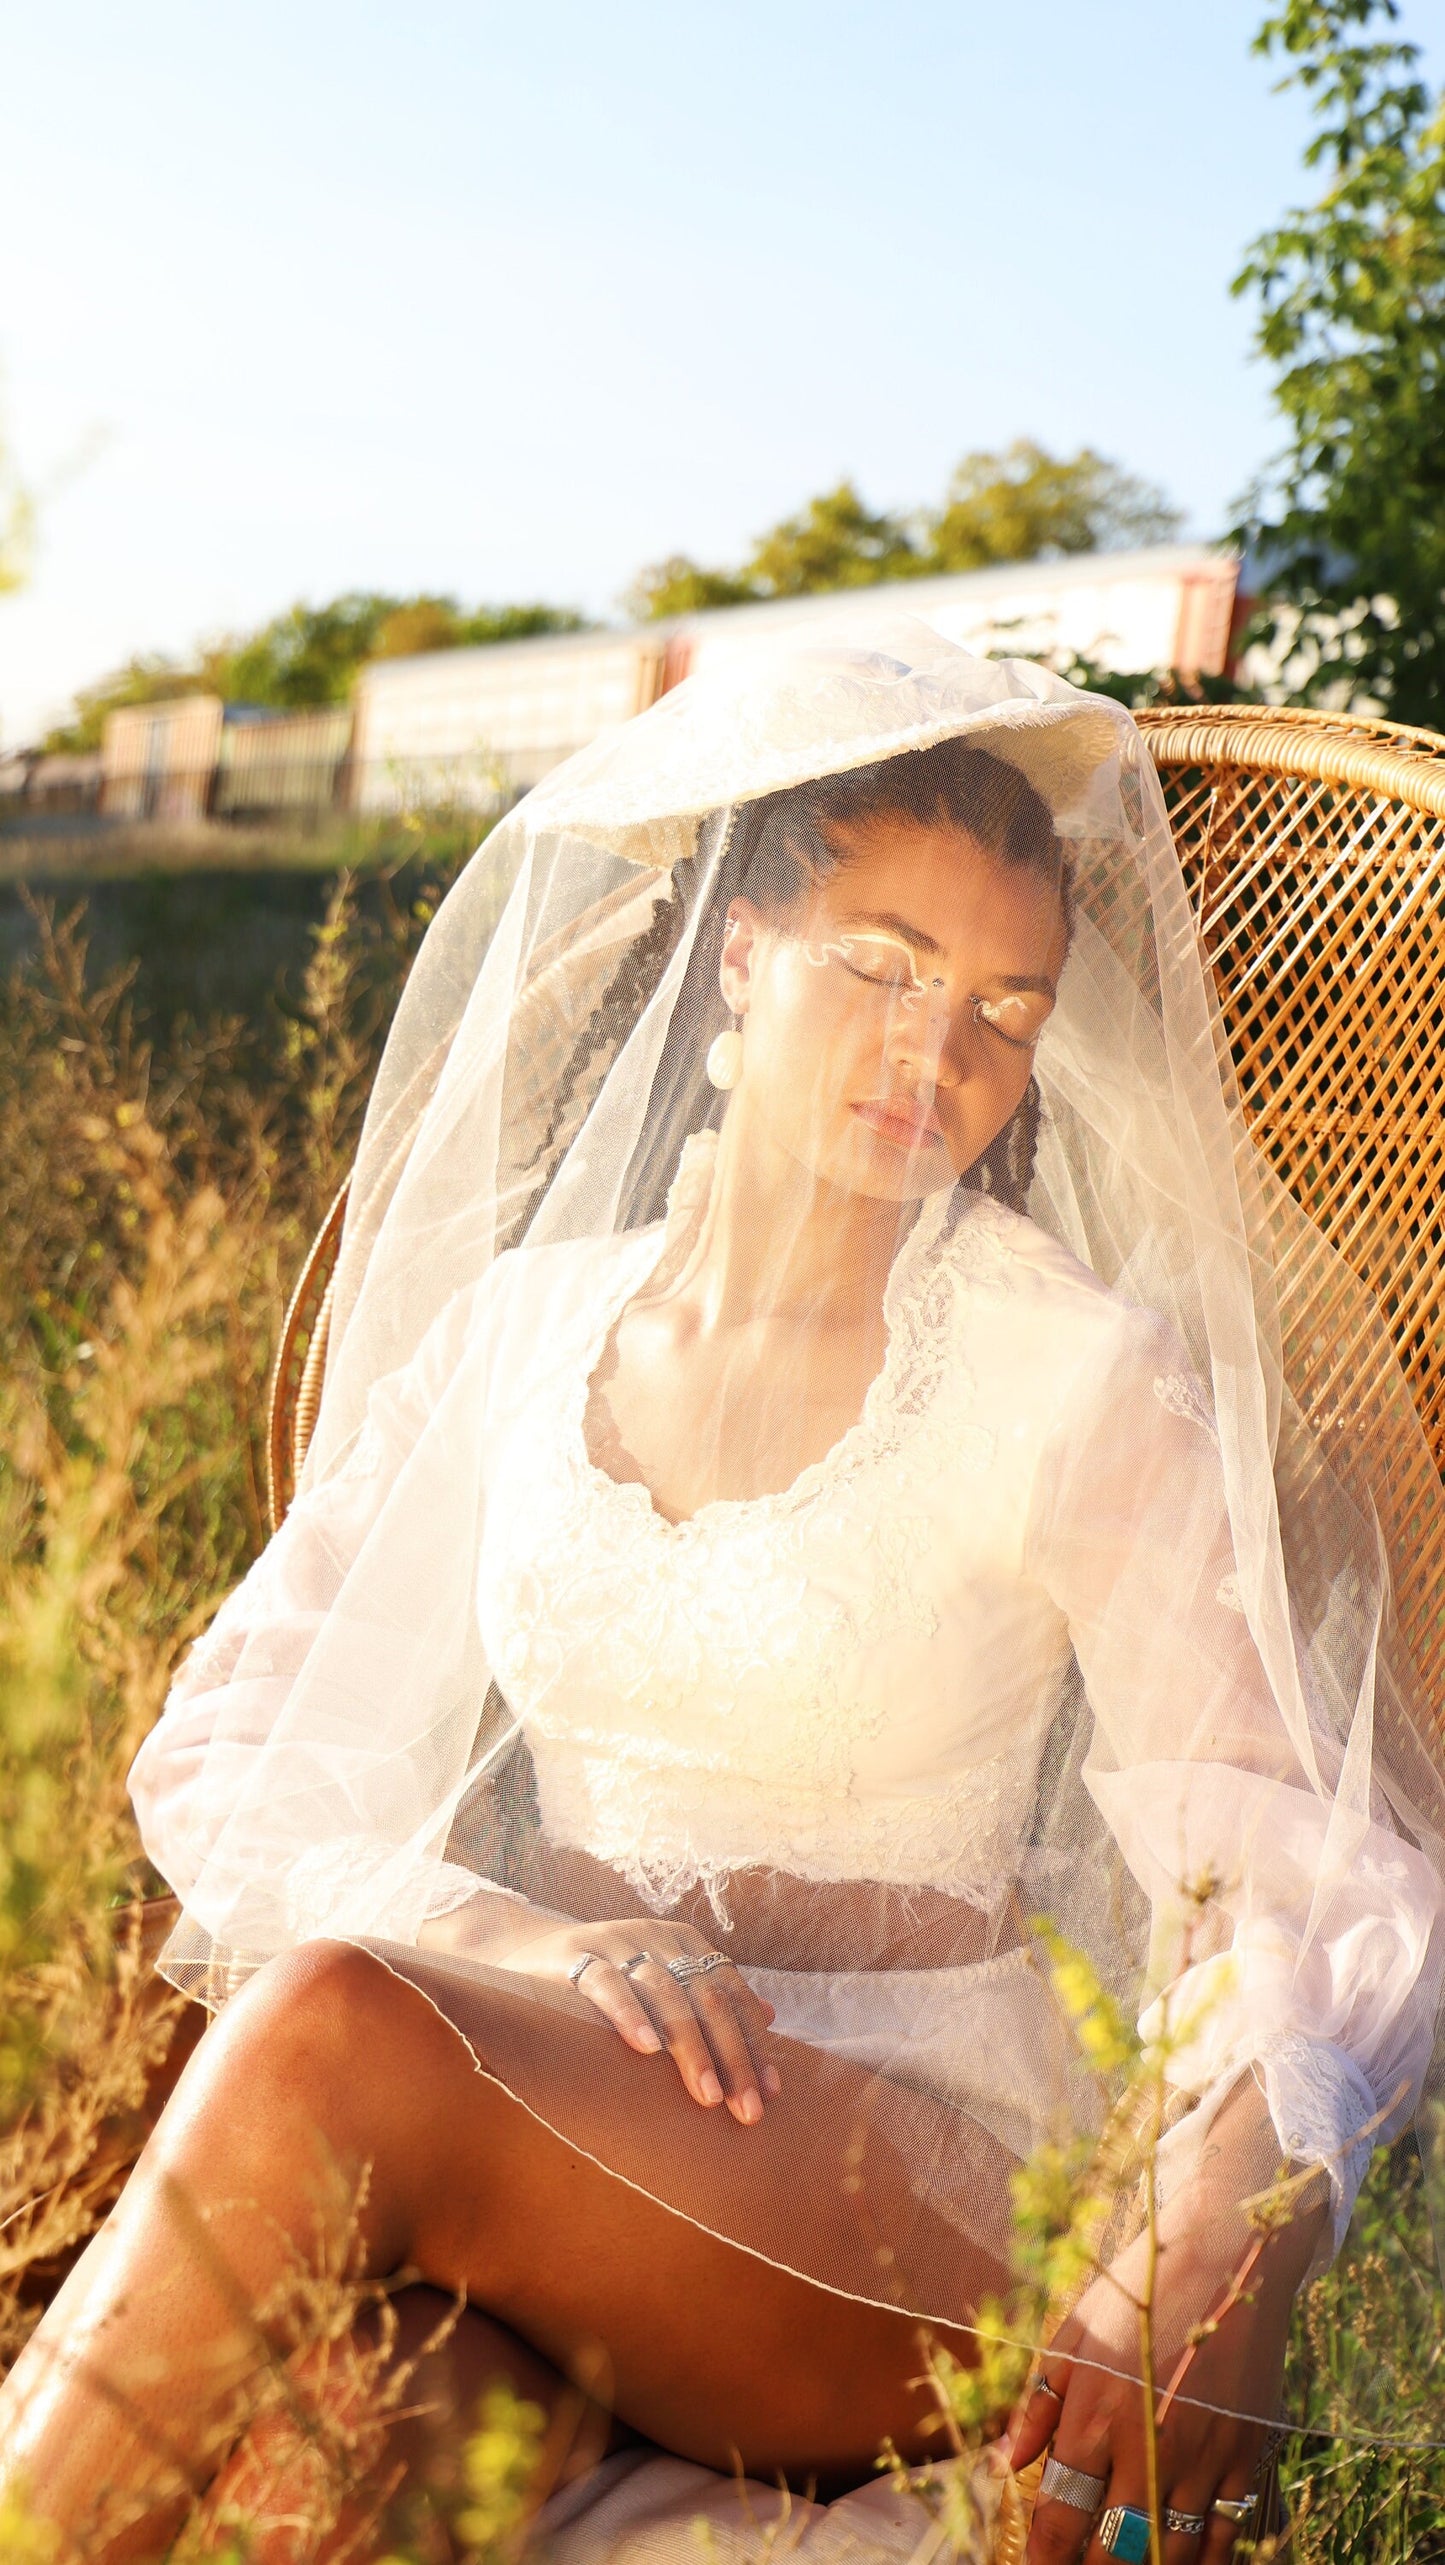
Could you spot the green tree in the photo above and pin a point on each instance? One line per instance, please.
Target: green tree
(486, 624)
(439, 623)
(679, 586)
(1022, 505)
(1349, 522)
(833, 542)
(310, 655)
(1028, 505)
(146, 679)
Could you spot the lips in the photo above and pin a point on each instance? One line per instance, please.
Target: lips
(907, 1126)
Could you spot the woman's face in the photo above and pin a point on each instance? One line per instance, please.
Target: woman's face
(889, 1017)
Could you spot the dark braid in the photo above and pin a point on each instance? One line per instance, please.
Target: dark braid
(1005, 1168)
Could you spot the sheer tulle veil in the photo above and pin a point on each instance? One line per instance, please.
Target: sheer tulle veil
(1234, 1772)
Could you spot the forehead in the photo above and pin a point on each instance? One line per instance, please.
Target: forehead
(940, 882)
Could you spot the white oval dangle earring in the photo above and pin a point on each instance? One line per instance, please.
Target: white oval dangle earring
(725, 1059)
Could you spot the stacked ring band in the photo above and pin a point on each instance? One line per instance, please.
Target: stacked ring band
(1061, 2484)
(695, 1964)
(1185, 2524)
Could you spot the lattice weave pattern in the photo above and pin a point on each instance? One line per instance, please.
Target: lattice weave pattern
(1320, 900)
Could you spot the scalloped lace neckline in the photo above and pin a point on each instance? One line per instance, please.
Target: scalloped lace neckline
(634, 1494)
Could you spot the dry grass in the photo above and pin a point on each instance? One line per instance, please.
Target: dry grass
(157, 1207)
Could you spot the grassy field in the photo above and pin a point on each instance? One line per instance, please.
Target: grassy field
(169, 1137)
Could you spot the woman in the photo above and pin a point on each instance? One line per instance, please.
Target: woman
(810, 1476)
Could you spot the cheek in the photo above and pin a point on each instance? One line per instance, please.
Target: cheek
(803, 1023)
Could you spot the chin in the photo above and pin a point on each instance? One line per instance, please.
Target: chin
(878, 1169)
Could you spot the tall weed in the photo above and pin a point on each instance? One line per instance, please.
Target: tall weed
(158, 1200)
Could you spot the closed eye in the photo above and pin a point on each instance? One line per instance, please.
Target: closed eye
(1018, 1021)
(879, 960)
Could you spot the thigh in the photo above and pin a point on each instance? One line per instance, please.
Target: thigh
(754, 2292)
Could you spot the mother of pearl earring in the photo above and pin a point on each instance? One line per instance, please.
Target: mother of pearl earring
(725, 1059)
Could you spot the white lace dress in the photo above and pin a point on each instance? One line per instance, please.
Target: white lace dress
(861, 1678)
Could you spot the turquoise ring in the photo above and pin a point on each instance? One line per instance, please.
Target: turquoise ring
(1124, 2531)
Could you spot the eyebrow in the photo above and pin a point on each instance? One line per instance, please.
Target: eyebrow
(890, 924)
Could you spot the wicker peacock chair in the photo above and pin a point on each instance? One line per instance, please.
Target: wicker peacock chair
(1313, 845)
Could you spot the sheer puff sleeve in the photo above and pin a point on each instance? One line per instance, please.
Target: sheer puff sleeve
(1294, 1930)
(231, 1815)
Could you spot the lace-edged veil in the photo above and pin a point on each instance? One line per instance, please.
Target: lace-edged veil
(546, 1068)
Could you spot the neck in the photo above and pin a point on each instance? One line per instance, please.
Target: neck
(777, 1239)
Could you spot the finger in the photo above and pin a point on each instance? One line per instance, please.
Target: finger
(754, 2011)
(1187, 2501)
(680, 2030)
(1062, 2532)
(731, 2048)
(757, 2017)
(605, 1987)
(1036, 2417)
(1059, 2534)
(1197, 2450)
(1223, 2535)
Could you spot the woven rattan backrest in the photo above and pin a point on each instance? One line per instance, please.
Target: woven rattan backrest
(1314, 848)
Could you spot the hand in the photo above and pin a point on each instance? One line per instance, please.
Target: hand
(1096, 2420)
(712, 2027)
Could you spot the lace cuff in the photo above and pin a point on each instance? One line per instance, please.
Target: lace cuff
(1325, 2112)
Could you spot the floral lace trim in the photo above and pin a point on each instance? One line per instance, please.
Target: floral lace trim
(1320, 2102)
(676, 1797)
(946, 1840)
(967, 1251)
(1181, 1394)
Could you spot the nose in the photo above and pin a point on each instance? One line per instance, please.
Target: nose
(933, 1041)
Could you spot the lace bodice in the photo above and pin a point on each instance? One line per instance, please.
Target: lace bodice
(852, 1678)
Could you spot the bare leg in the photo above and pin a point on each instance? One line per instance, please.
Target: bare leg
(341, 2466)
(328, 2065)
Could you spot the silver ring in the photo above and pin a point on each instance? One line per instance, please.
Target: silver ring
(574, 1973)
(639, 1959)
(1124, 2531)
(690, 1964)
(1185, 2524)
(1061, 2484)
(1237, 2508)
(1043, 2387)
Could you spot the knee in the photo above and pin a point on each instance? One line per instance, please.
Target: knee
(307, 2023)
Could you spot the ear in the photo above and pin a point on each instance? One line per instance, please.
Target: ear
(742, 933)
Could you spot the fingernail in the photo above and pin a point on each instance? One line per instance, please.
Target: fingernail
(747, 2106)
(708, 2088)
(646, 2037)
(772, 2082)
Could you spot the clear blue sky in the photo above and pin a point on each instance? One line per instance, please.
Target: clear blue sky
(508, 301)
